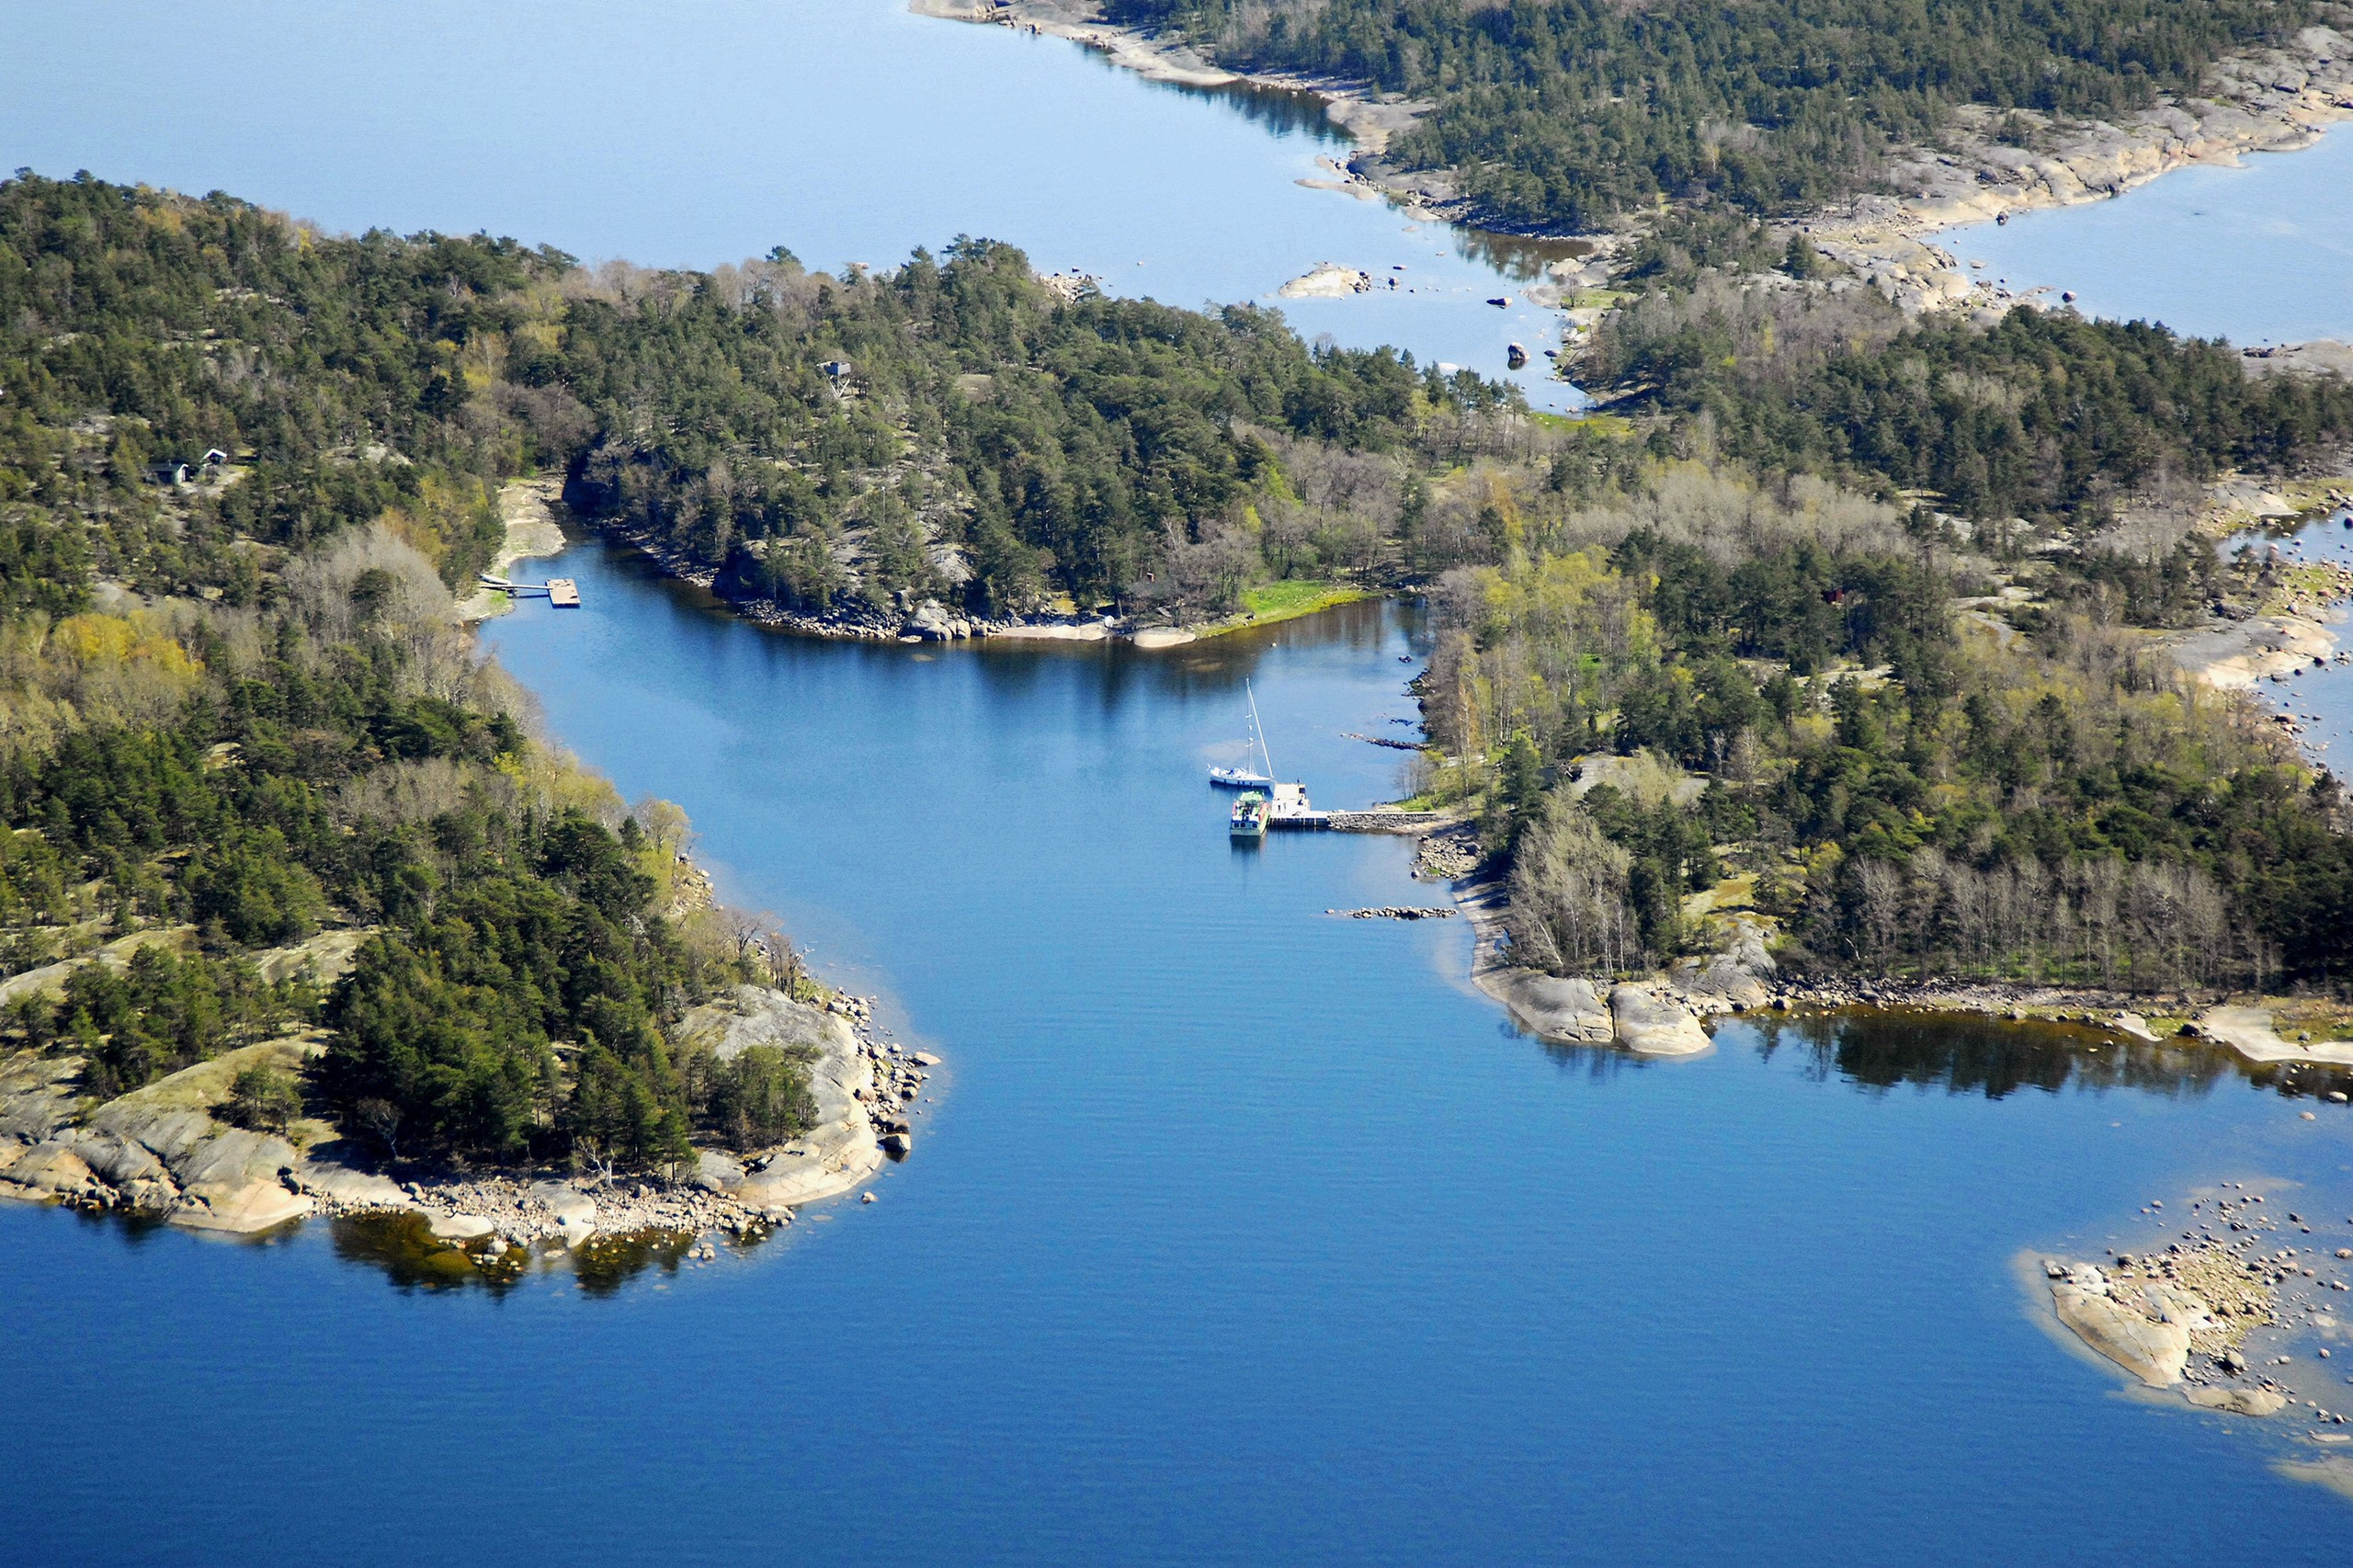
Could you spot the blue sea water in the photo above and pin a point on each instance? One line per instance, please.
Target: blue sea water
(1237, 1233)
(2261, 251)
(701, 132)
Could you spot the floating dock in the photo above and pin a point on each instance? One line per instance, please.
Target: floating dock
(562, 592)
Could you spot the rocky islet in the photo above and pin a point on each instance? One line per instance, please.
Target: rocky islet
(2219, 1312)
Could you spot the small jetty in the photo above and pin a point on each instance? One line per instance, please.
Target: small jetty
(563, 592)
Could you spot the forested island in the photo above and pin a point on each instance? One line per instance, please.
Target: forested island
(292, 897)
(1569, 115)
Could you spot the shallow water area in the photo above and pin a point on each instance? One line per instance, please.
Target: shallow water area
(848, 131)
(1248, 1233)
(2261, 252)
(2318, 697)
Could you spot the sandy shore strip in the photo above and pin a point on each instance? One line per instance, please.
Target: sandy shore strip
(530, 508)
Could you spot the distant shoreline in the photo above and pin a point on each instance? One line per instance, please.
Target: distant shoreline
(2263, 100)
(931, 622)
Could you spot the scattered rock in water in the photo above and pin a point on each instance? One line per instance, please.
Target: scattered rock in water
(1327, 280)
(1395, 912)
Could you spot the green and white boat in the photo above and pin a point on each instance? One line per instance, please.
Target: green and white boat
(1250, 815)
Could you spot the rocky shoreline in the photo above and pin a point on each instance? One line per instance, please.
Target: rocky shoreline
(1370, 117)
(1667, 1013)
(928, 620)
(160, 1152)
(167, 1152)
(2262, 100)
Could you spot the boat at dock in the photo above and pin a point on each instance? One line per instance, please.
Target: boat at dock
(1249, 817)
(1246, 777)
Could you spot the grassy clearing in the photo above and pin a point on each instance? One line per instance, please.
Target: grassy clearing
(1286, 600)
(1613, 424)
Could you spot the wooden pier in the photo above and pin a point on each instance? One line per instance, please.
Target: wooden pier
(563, 592)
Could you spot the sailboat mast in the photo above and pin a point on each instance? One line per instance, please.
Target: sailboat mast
(1256, 728)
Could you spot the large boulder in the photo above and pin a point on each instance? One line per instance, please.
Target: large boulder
(239, 1181)
(122, 1161)
(460, 1227)
(2152, 1349)
(244, 1210)
(573, 1208)
(38, 1093)
(50, 1169)
(1649, 1025)
(716, 1173)
(1736, 977)
(1549, 1006)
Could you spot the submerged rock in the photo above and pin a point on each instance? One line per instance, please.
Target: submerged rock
(2238, 1401)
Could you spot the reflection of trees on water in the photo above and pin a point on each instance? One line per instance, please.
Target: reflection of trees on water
(1961, 1055)
(1521, 257)
(405, 1247)
(1975, 1056)
(1283, 110)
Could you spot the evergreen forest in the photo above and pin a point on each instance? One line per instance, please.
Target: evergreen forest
(1564, 114)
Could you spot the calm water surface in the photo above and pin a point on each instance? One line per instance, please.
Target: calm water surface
(2258, 253)
(1240, 1233)
(704, 131)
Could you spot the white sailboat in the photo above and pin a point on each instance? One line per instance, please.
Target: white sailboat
(1245, 776)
